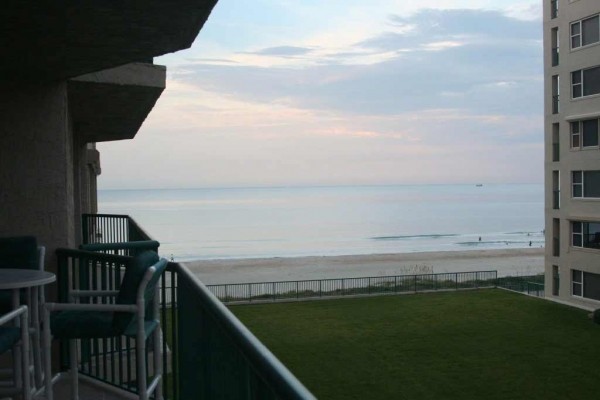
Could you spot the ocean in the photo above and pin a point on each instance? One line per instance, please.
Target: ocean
(222, 223)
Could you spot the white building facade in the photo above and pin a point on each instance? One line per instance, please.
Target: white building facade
(572, 151)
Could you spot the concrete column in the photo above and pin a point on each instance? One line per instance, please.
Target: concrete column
(36, 166)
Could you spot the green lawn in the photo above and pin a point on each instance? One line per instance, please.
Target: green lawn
(486, 344)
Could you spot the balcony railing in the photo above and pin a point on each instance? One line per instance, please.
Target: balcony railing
(207, 352)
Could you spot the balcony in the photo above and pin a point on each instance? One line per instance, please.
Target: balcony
(207, 352)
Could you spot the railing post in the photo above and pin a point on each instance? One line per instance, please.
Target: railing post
(415, 282)
(297, 292)
(343, 287)
(369, 286)
(320, 292)
(477, 279)
(456, 279)
(396, 284)
(225, 293)
(273, 291)
(250, 292)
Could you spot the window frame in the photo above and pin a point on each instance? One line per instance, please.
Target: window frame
(579, 283)
(581, 83)
(578, 234)
(579, 35)
(578, 184)
(577, 134)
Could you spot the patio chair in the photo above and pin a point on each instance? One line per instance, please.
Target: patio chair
(133, 314)
(10, 338)
(24, 252)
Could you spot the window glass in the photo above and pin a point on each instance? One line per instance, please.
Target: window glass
(590, 133)
(591, 81)
(577, 175)
(592, 184)
(576, 227)
(591, 32)
(576, 77)
(575, 28)
(577, 276)
(591, 286)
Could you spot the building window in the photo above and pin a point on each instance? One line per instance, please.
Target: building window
(585, 32)
(556, 190)
(586, 184)
(555, 47)
(556, 237)
(585, 284)
(553, 9)
(555, 280)
(585, 82)
(588, 129)
(585, 234)
(555, 94)
(555, 142)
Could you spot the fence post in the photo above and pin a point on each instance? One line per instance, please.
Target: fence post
(320, 291)
(369, 286)
(415, 282)
(477, 279)
(456, 279)
(249, 292)
(225, 292)
(297, 293)
(273, 291)
(343, 286)
(396, 284)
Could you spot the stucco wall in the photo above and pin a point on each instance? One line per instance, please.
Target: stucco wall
(36, 166)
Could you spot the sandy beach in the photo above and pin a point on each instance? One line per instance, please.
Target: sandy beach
(506, 262)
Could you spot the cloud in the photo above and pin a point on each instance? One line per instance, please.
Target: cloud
(432, 96)
(283, 51)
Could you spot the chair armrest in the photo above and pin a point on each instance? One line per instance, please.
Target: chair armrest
(13, 314)
(90, 307)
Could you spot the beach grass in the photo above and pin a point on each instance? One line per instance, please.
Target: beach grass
(478, 344)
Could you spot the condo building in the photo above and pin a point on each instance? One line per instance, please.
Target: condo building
(572, 152)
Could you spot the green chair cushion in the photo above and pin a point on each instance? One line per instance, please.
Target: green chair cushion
(129, 285)
(82, 324)
(19, 252)
(8, 337)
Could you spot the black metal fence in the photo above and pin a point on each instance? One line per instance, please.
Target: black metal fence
(320, 288)
(529, 284)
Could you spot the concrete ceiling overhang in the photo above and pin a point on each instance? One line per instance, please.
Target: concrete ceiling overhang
(60, 39)
(112, 104)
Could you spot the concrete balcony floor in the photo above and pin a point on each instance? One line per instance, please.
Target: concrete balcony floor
(87, 391)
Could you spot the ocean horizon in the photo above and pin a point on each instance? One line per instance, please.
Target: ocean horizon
(262, 222)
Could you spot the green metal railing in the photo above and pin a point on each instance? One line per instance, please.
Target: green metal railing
(320, 288)
(208, 353)
(529, 284)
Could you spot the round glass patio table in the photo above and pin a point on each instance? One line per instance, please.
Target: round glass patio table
(31, 279)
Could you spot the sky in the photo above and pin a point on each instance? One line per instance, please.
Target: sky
(345, 92)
